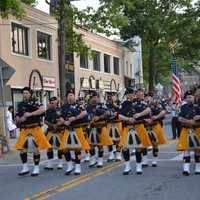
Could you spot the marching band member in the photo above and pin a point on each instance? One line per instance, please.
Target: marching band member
(134, 134)
(189, 139)
(114, 127)
(31, 137)
(154, 126)
(54, 133)
(74, 137)
(98, 132)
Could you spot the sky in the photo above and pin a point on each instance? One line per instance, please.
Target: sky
(81, 4)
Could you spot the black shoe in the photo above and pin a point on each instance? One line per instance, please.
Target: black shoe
(186, 173)
(99, 166)
(68, 172)
(126, 173)
(110, 160)
(92, 165)
(77, 174)
(48, 168)
(145, 165)
(197, 173)
(34, 174)
(139, 173)
(23, 173)
(154, 165)
(59, 168)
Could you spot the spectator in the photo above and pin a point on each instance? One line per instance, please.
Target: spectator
(10, 123)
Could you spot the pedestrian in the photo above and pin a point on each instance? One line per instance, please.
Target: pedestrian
(175, 124)
(10, 122)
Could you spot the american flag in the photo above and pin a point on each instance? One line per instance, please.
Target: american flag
(176, 84)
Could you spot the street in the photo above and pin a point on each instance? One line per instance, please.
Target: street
(164, 182)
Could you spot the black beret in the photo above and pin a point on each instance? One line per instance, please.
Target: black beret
(129, 90)
(187, 93)
(93, 94)
(53, 99)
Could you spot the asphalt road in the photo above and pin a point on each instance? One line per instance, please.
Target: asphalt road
(165, 182)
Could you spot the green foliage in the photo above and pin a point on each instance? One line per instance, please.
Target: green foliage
(13, 7)
(158, 23)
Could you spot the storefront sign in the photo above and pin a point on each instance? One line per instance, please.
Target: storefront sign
(107, 85)
(49, 81)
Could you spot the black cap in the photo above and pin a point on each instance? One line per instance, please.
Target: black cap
(53, 99)
(27, 89)
(129, 90)
(93, 94)
(187, 93)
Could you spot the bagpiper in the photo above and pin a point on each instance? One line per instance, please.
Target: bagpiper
(189, 139)
(54, 133)
(154, 125)
(73, 118)
(98, 132)
(134, 134)
(31, 139)
(114, 126)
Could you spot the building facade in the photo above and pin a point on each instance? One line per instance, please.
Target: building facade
(109, 69)
(30, 47)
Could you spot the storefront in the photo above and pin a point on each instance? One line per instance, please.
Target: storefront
(103, 87)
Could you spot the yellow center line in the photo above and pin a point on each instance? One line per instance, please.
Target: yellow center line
(77, 181)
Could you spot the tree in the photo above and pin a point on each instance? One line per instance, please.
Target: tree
(157, 22)
(13, 7)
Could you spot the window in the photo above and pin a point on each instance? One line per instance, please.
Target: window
(106, 63)
(19, 39)
(116, 65)
(131, 72)
(84, 61)
(96, 60)
(127, 68)
(44, 45)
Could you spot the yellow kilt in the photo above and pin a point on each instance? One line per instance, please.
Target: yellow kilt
(124, 136)
(198, 132)
(61, 138)
(141, 133)
(80, 137)
(160, 134)
(38, 135)
(118, 126)
(105, 139)
(183, 142)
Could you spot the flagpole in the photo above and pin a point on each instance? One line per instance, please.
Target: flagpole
(172, 46)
